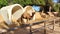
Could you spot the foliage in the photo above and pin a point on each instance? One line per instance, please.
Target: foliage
(22, 2)
(29, 2)
(56, 7)
(3, 3)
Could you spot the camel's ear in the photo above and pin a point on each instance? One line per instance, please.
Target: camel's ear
(17, 14)
(17, 11)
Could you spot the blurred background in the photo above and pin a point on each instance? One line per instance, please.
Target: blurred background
(38, 4)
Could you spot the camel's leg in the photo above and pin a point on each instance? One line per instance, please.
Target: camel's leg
(4, 25)
(20, 21)
(17, 23)
(24, 21)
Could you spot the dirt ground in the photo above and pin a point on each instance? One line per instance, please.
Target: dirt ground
(37, 29)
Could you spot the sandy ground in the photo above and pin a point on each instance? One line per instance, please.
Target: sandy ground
(37, 29)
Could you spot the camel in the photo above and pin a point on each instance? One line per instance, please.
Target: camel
(11, 14)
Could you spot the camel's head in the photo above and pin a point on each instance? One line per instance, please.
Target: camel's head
(29, 11)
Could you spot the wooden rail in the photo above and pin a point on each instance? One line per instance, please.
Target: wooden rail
(44, 21)
(39, 22)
